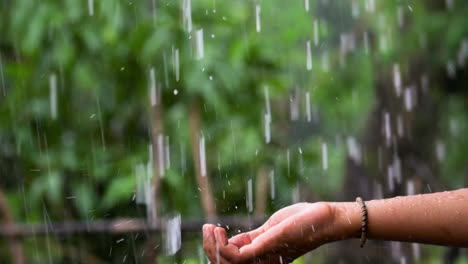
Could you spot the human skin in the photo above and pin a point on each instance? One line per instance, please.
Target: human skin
(437, 218)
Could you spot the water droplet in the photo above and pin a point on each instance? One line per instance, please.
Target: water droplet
(53, 95)
(257, 18)
(202, 156)
(308, 56)
(173, 240)
(200, 49)
(324, 156)
(91, 7)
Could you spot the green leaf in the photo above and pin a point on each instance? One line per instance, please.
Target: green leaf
(120, 190)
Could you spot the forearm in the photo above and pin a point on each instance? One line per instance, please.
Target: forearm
(438, 218)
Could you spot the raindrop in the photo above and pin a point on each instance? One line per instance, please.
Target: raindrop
(176, 92)
(354, 150)
(295, 194)
(91, 7)
(176, 63)
(141, 182)
(202, 156)
(400, 16)
(391, 183)
(387, 128)
(257, 18)
(53, 95)
(366, 42)
(161, 160)
(324, 156)
(249, 196)
(150, 163)
(173, 235)
(397, 79)
(187, 15)
(267, 128)
(308, 56)
(440, 150)
(153, 92)
(267, 100)
(316, 32)
(451, 69)
(408, 96)
(199, 44)
(410, 189)
(151, 214)
(308, 110)
(267, 116)
(294, 106)
(306, 3)
(167, 154)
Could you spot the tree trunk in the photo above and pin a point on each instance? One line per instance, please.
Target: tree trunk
(202, 177)
(157, 133)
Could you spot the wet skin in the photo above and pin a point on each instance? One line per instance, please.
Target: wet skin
(435, 218)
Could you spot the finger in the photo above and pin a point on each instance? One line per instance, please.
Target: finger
(224, 252)
(228, 251)
(246, 238)
(266, 243)
(209, 242)
(221, 236)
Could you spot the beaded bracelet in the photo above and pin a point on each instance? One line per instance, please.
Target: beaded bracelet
(364, 220)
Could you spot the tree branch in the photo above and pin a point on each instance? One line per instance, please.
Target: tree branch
(117, 226)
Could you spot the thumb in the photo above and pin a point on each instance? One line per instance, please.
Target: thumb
(267, 242)
(246, 238)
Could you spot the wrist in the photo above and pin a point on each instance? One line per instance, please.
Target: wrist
(347, 220)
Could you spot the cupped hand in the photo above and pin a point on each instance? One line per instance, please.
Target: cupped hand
(287, 235)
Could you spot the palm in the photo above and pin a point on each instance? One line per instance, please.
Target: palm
(288, 234)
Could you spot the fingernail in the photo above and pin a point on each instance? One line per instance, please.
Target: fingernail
(205, 231)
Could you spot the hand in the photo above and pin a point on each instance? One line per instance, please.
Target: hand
(287, 235)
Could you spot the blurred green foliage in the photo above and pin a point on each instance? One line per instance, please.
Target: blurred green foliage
(81, 164)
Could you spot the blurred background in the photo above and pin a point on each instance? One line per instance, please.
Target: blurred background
(126, 125)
